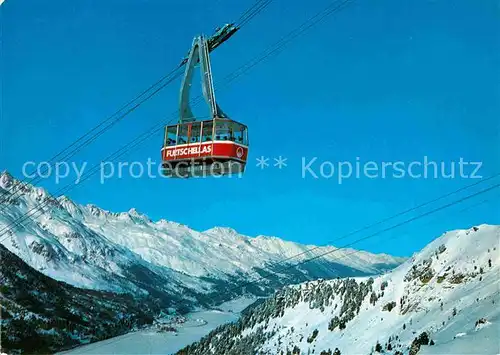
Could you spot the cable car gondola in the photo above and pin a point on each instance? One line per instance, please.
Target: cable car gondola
(214, 147)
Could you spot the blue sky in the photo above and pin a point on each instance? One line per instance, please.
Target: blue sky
(382, 81)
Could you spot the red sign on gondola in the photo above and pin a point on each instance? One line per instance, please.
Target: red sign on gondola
(210, 149)
(184, 152)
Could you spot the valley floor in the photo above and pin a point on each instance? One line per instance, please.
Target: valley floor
(149, 341)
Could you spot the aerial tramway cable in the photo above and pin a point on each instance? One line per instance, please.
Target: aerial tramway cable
(411, 209)
(288, 267)
(259, 6)
(88, 138)
(111, 120)
(272, 50)
(146, 135)
(216, 298)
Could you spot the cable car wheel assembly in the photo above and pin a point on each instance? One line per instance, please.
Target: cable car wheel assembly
(201, 148)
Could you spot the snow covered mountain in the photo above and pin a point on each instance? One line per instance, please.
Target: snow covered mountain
(443, 300)
(88, 247)
(41, 315)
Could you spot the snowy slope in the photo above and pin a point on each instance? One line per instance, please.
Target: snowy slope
(88, 247)
(150, 341)
(41, 315)
(450, 290)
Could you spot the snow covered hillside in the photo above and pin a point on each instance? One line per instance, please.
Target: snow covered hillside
(444, 300)
(88, 247)
(41, 315)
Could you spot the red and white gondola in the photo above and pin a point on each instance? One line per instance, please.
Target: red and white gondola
(214, 147)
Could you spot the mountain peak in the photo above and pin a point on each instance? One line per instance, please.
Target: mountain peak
(164, 222)
(267, 237)
(72, 208)
(133, 212)
(222, 230)
(64, 198)
(138, 215)
(442, 301)
(96, 211)
(6, 179)
(5, 172)
(100, 240)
